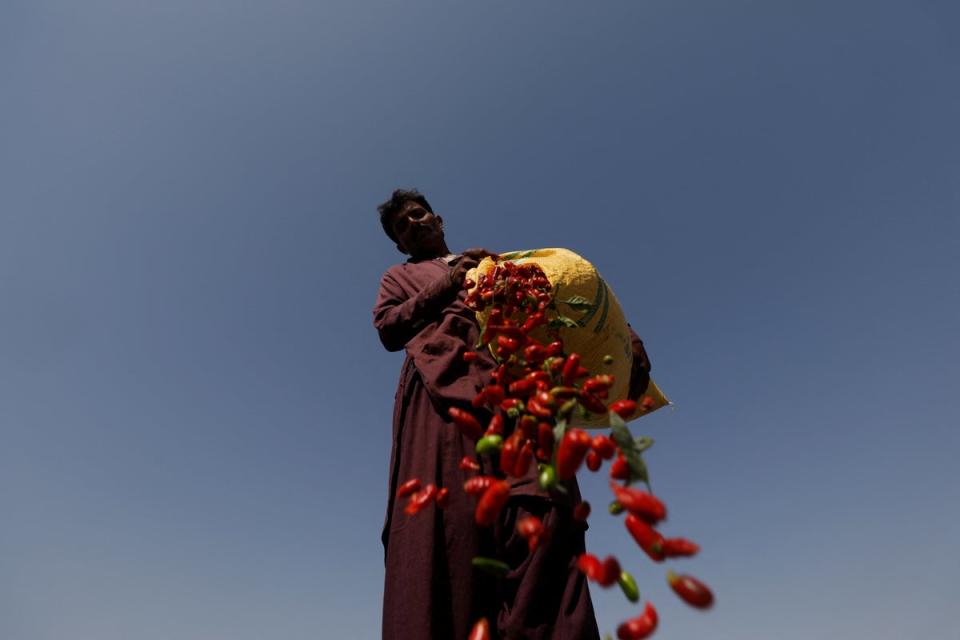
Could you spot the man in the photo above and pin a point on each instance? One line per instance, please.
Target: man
(431, 589)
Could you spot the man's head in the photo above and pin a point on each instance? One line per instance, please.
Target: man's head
(408, 219)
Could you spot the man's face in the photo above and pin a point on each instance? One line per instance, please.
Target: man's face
(418, 231)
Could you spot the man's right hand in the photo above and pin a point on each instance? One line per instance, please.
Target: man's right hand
(469, 259)
(478, 254)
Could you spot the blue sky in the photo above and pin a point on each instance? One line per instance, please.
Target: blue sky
(196, 407)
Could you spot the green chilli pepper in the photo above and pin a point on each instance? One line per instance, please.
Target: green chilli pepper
(491, 565)
(567, 407)
(548, 477)
(489, 444)
(629, 586)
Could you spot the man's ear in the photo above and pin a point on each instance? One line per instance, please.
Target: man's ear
(440, 219)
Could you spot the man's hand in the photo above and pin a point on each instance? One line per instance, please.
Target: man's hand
(469, 259)
(478, 254)
(640, 371)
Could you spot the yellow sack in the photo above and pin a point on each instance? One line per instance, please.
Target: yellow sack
(581, 295)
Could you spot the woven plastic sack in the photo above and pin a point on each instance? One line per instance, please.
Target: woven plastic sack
(596, 326)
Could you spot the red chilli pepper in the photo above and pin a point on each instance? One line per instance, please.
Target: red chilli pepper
(524, 458)
(591, 402)
(545, 441)
(443, 498)
(470, 356)
(469, 464)
(640, 627)
(546, 399)
(679, 547)
(491, 502)
(495, 428)
(594, 461)
(527, 425)
(620, 469)
(538, 375)
(511, 403)
(480, 631)
(573, 448)
(529, 526)
(522, 388)
(624, 408)
(419, 501)
(570, 368)
(509, 452)
(582, 511)
(605, 447)
(534, 321)
(648, 538)
(478, 400)
(467, 423)
(598, 383)
(589, 565)
(506, 345)
(494, 394)
(534, 354)
(477, 485)
(609, 572)
(535, 407)
(408, 487)
(531, 529)
(691, 590)
(645, 505)
(603, 573)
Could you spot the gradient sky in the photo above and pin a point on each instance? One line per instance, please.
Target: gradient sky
(196, 409)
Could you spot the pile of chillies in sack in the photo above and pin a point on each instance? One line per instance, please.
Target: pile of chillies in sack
(532, 394)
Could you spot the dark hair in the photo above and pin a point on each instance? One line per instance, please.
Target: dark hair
(395, 204)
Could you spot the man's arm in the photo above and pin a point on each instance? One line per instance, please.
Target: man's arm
(640, 371)
(398, 317)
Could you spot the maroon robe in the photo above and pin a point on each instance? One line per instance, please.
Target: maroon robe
(431, 589)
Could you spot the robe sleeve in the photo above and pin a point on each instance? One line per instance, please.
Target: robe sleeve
(399, 317)
(640, 371)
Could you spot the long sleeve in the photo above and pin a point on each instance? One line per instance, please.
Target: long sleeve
(398, 318)
(640, 371)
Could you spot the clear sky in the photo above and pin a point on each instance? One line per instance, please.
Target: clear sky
(196, 409)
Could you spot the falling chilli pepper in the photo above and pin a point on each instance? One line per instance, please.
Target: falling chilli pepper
(480, 631)
(582, 511)
(573, 448)
(491, 502)
(489, 444)
(620, 469)
(629, 586)
(491, 565)
(467, 423)
(570, 368)
(640, 627)
(419, 501)
(645, 505)
(623, 408)
(679, 547)
(524, 458)
(604, 446)
(691, 590)
(408, 487)
(647, 538)
(477, 485)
